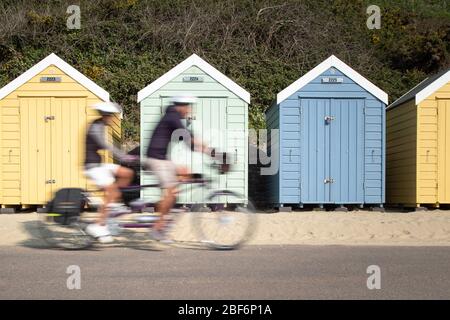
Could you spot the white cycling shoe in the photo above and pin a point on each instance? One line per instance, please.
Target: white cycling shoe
(101, 233)
(160, 236)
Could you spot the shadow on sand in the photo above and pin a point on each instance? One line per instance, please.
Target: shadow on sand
(128, 239)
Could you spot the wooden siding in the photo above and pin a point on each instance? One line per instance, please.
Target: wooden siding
(273, 123)
(432, 153)
(401, 154)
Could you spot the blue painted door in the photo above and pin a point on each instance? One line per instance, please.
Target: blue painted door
(347, 150)
(315, 151)
(332, 149)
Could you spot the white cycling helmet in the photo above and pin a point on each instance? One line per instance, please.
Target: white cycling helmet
(184, 99)
(107, 107)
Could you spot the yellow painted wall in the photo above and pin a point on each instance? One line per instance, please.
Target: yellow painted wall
(427, 171)
(401, 142)
(10, 127)
(429, 154)
(444, 150)
(418, 151)
(10, 149)
(1, 155)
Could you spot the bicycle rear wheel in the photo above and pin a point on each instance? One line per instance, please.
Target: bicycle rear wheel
(226, 223)
(69, 235)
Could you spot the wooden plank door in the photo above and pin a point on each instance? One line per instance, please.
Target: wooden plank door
(68, 129)
(314, 151)
(209, 124)
(347, 151)
(36, 164)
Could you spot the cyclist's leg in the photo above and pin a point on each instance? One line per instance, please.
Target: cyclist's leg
(104, 177)
(164, 206)
(117, 177)
(166, 172)
(182, 172)
(112, 194)
(124, 176)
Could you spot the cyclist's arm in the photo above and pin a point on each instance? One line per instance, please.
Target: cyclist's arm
(199, 146)
(98, 134)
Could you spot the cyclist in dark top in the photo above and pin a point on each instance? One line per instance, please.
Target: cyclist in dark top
(107, 176)
(170, 128)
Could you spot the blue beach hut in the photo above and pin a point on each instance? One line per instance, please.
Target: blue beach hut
(331, 139)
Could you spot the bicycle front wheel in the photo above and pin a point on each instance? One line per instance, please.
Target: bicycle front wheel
(227, 222)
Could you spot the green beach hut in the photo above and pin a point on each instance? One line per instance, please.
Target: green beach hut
(219, 118)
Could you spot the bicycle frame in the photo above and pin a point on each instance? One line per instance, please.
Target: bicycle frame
(198, 182)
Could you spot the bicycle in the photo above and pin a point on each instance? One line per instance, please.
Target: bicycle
(68, 232)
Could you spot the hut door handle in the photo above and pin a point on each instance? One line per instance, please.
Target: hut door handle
(290, 155)
(46, 118)
(328, 181)
(235, 156)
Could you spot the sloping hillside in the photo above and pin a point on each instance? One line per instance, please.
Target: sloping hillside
(262, 45)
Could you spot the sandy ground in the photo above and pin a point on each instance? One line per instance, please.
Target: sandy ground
(322, 228)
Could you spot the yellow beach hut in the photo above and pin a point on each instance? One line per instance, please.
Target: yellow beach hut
(43, 117)
(418, 144)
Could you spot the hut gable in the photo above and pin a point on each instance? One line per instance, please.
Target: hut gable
(54, 60)
(332, 62)
(194, 60)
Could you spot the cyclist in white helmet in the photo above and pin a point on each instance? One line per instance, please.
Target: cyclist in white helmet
(107, 176)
